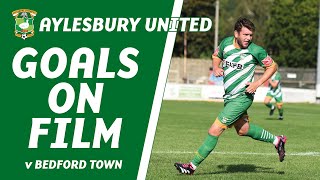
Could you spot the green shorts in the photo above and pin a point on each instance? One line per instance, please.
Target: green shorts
(277, 97)
(235, 109)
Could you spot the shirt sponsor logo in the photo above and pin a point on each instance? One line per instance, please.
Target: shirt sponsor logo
(233, 65)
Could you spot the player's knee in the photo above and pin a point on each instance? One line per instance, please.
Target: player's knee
(215, 131)
(266, 101)
(242, 125)
(279, 106)
(217, 128)
(242, 132)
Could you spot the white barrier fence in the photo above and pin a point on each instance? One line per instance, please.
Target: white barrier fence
(215, 92)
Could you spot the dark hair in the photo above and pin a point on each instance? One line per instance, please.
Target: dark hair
(243, 22)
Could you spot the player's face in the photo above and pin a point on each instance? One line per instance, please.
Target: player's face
(244, 37)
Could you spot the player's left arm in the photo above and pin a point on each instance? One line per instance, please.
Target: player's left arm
(270, 68)
(266, 75)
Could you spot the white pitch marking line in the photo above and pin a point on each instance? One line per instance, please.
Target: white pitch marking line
(242, 153)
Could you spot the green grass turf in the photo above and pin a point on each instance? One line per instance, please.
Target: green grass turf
(183, 125)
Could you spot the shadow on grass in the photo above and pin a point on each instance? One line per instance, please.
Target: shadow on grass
(242, 168)
(272, 118)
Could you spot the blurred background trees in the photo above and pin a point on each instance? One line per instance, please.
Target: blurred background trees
(200, 44)
(287, 29)
(292, 36)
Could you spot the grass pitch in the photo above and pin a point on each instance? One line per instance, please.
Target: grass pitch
(183, 125)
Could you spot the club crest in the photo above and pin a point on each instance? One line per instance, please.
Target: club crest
(24, 27)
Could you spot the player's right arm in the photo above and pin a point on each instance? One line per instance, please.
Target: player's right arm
(216, 60)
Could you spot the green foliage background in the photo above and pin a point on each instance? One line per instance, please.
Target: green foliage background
(288, 29)
(293, 32)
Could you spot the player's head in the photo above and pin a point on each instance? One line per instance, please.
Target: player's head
(243, 32)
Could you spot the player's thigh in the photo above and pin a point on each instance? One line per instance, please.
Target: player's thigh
(279, 101)
(234, 109)
(268, 98)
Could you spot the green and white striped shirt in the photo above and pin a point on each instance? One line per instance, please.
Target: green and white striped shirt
(239, 65)
(275, 91)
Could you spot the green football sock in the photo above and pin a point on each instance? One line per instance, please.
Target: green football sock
(205, 149)
(281, 112)
(258, 133)
(269, 105)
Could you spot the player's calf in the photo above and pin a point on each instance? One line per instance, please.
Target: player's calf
(272, 110)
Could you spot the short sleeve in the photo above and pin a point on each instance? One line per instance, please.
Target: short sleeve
(264, 60)
(218, 52)
(278, 77)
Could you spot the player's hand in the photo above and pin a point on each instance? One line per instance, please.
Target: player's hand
(218, 72)
(252, 87)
